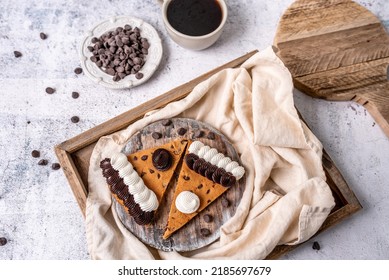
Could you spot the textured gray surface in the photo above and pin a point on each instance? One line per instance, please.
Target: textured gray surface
(38, 214)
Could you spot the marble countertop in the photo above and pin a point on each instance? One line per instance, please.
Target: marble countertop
(38, 213)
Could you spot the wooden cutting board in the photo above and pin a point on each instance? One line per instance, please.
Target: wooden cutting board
(337, 50)
(189, 237)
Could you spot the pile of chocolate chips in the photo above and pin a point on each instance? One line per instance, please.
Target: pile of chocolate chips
(120, 53)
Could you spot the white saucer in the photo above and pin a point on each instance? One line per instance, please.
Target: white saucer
(153, 57)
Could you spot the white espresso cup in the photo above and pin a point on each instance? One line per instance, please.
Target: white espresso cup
(194, 42)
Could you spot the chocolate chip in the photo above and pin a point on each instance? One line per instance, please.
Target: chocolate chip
(144, 157)
(181, 131)
(207, 218)
(156, 135)
(43, 162)
(225, 202)
(200, 186)
(75, 94)
(166, 122)
(35, 154)
(186, 178)
(55, 166)
(316, 246)
(17, 54)
(151, 171)
(43, 36)
(205, 232)
(162, 159)
(142, 174)
(78, 70)
(3, 241)
(211, 135)
(139, 75)
(198, 134)
(75, 119)
(50, 90)
(135, 158)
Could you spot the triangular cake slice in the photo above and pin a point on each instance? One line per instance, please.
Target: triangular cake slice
(156, 165)
(205, 175)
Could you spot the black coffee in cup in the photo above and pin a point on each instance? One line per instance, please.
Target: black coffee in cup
(194, 17)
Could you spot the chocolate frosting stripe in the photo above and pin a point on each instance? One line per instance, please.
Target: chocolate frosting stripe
(212, 172)
(120, 190)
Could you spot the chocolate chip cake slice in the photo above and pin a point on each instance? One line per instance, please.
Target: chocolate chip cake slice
(205, 175)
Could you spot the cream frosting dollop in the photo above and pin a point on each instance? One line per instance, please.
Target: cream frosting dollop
(118, 161)
(195, 147)
(187, 202)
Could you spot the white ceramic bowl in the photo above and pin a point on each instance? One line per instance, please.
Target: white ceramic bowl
(153, 57)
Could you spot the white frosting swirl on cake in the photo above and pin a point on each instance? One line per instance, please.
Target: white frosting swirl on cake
(145, 197)
(212, 156)
(187, 202)
(195, 147)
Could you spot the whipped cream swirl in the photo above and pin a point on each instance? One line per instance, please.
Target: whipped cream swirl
(187, 202)
(145, 197)
(212, 156)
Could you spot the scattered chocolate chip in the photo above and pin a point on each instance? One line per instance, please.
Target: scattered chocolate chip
(135, 158)
(28, 122)
(156, 135)
(207, 192)
(139, 75)
(316, 246)
(181, 131)
(3, 241)
(35, 154)
(75, 119)
(158, 175)
(225, 202)
(200, 186)
(186, 178)
(43, 36)
(75, 94)
(211, 135)
(198, 134)
(151, 171)
(205, 232)
(142, 174)
(43, 162)
(17, 54)
(50, 90)
(208, 218)
(78, 70)
(162, 159)
(166, 122)
(55, 166)
(144, 157)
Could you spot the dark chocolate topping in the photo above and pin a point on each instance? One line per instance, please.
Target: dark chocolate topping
(124, 194)
(108, 172)
(117, 187)
(190, 160)
(217, 175)
(113, 179)
(203, 168)
(105, 163)
(209, 172)
(227, 180)
(198, 163)
(162, 159)
(135, 209)
(144, 218)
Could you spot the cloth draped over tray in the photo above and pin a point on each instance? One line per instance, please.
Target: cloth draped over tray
(286, 198)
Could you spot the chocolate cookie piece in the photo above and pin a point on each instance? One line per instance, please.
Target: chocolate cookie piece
(209, 172)
(203, 168)
(198, 163)
(162, 159)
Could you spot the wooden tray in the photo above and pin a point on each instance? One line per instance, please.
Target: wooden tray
(74, 154)
(190, 238)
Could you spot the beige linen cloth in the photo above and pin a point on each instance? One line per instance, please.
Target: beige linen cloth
(286, 198)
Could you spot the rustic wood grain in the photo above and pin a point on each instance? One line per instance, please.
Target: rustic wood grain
(74, 155)
(337, 50)
(189, 237)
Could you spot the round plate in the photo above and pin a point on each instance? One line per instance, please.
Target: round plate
(187, 238)
(152, 59)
